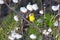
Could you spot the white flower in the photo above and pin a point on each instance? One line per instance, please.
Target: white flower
(44, 31)
(33, 36)
(55, 8)
(16, 18)
(1, 2)
(15, 1)
(13, 34)
(56, 23)
(47, 33)
(18, 36)
(13, 31)
(23, 9)
(35, 7)
(49, 30)
(11, 38)
(29, 7)
(41, 11)
(17, 28)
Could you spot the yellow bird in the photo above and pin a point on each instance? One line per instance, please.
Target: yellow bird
(32, 17)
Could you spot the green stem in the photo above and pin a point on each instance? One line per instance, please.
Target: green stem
(0, 9)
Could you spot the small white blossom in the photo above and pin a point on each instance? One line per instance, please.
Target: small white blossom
(11, 38)
(1, 2)
(16, 18)
(18, 36)
(44, 4)
(35, 7)
(23, 9)
(49, 30)
(15, 1)
(47, 33)
(44, 31)
(13, 31)
(13, 35)
(56, 23)
(55, 8)
(29, 7)
(41, 11)
(33, 36)
(17, 28)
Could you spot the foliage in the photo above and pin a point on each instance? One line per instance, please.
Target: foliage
(8, 24)
(34, 31)
(49, 20)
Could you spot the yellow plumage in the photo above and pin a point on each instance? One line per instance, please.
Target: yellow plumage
(31, 17)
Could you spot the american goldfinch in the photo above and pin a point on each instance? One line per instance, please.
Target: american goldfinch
(32, 17)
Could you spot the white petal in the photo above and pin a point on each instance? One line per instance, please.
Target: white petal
(47, 33)
(18, 36)
(29, 7)
(55, 8)
(56, 23)
(13, 35)
(11, 38)
(44, 31)
(13, 31)
(35, 7)
(16, 18)
(23, 9)
(49, 30)
(33, 36)
(1, 2)
(17, 28)
(15, 1)
(41, 11)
